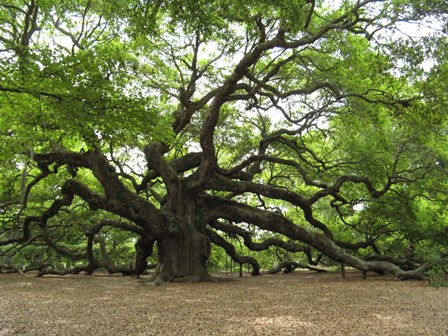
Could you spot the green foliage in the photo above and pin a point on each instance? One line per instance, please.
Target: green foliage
(349, 100)
(437, 276)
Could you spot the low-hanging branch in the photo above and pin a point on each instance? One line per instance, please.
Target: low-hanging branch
(237, 212)
(231, 251)
(256, 246)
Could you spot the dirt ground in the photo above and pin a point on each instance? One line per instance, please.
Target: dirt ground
(302, 303)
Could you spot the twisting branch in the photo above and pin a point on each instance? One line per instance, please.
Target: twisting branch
(30, 27)
(255, 246)
(230, 250)
(118, 199)
(237, 212)
(52, 211)
(310, 13)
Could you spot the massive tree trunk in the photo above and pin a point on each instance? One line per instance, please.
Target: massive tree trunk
(183, 255)
(183, 249)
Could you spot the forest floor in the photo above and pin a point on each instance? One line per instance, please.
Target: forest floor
(301, 303)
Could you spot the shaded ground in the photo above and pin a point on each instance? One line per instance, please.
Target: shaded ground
(285, 304)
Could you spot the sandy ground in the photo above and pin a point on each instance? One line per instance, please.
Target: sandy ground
(285, 304)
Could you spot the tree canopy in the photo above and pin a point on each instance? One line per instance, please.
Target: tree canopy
(181, 129)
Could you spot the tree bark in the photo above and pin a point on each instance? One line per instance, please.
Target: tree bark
(182, 256)
(183, 249)
(143, 250)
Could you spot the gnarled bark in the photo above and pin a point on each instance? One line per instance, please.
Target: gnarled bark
(182, 256)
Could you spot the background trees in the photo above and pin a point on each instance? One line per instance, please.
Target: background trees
(298, 126)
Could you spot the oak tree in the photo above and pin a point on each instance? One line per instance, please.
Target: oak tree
(312, 128)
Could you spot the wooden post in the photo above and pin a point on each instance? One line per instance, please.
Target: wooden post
(241, 270)
(364, 275)
(343, 270)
